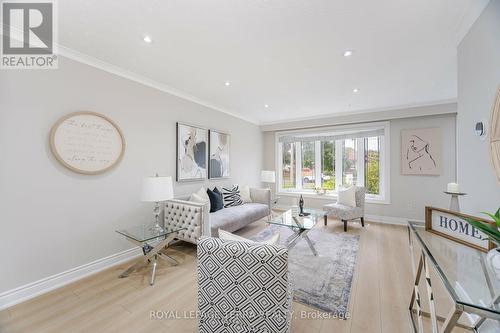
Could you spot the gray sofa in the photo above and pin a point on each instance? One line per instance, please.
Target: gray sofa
(198, 221)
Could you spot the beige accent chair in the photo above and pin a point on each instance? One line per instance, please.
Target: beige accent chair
(348, 213)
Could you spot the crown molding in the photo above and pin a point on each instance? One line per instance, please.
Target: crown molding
(470, 16)
(382, 114)
(86, 59)
(119, 71)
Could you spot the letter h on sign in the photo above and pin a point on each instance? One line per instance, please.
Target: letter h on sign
(443, 222)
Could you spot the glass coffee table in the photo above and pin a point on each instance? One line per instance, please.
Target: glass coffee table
(152, 241)
(301, 225)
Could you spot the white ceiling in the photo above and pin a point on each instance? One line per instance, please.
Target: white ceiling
(284, 53)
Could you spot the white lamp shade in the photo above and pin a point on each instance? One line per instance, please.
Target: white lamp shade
(157, 189)
(267, 176)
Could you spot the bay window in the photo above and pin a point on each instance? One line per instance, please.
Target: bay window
(321, 161)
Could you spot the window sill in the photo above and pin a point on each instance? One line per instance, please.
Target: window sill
(331, 196)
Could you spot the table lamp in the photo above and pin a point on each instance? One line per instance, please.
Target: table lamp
(267, 176)
(156, 189)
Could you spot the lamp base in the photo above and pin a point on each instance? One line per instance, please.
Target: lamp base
(157, 227)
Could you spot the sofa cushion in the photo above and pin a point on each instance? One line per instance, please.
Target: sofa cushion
(216, 201)
(196, 198)
(245, 194)
(231, 196)
(202, 192)
(235, 218)
(347, 196)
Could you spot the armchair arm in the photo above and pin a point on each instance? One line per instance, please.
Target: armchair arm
(261, 195)
(190, 215)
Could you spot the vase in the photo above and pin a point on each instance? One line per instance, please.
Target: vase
(493, 259)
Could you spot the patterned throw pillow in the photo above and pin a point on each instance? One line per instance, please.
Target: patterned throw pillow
(231, 196)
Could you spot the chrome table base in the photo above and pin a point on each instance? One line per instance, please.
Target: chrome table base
(297, 236)
(151, 255)
(451, 321)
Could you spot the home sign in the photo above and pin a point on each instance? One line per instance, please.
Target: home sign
(454, 226)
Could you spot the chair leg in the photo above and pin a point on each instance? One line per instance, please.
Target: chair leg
(326, 218)
(345, 225)
(362, 221)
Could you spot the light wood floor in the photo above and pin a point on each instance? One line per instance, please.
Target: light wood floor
(104, 303)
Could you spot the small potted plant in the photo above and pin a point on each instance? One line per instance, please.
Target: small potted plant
(493, 233)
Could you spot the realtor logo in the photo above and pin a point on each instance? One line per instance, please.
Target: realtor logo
(28, 32)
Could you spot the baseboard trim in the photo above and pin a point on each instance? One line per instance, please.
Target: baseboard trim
(34, 289)
(390, 219)
(31, 290)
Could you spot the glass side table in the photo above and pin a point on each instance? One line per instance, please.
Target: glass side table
(467, 278)
(152, 241)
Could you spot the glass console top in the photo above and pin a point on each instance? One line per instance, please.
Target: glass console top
(465, 271)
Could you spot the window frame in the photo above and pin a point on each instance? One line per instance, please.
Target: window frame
(384, 162)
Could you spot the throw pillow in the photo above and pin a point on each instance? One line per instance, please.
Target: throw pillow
(202, 192)
(226, 235)
(245, 194)
(216, 202)
(216, 190)
(347, 196)
(196, 198)
(231, 196)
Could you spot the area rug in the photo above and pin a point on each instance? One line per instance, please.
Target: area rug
(322, 282)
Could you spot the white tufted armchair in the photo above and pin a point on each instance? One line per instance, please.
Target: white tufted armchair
(190, 215)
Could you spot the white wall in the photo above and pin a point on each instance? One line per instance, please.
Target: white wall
(53, 219)
(409, 194)
(478, 79)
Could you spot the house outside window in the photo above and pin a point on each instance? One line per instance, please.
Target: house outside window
(320, 161)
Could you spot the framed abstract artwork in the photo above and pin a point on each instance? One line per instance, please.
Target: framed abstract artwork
(421, 151)
(192, 144)
(219, 157)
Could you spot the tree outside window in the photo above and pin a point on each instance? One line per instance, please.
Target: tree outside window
(288, 166)
(308, 165)
(328, 165)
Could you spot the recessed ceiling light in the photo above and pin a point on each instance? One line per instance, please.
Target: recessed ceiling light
(348, 53)
(227, 83)
(355, 90)
(147, 39)
(266, 106)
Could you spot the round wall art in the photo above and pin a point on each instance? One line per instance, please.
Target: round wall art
(87, 142)
(495, 135)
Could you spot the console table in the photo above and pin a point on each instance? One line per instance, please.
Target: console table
(467, 279)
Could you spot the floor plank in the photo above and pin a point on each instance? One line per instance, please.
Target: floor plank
(104, 303)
